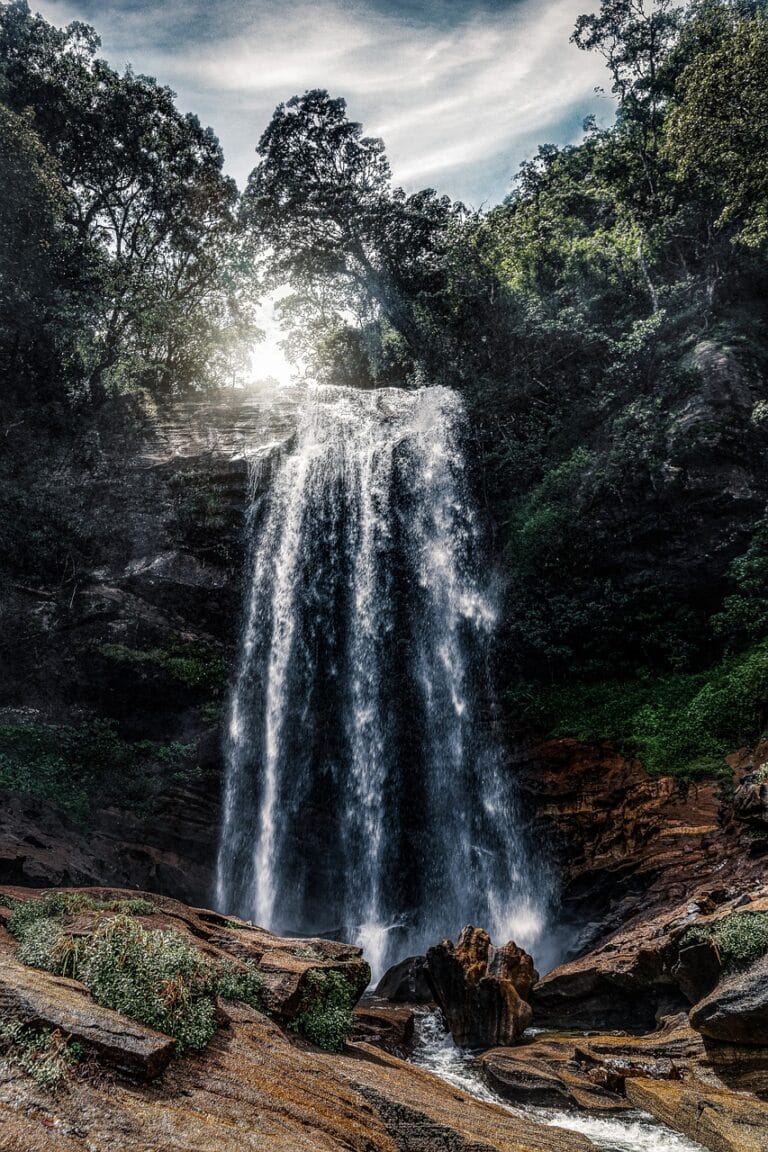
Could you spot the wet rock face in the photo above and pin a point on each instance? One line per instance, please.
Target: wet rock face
(626, 843)
(170, 849)
(697, 970)
(720, 1120)
(736, 1010)
(142, 638)
(482, 991)
(651, 965)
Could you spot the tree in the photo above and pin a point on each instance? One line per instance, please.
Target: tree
(635, 37)
(38, 264)
(717, 132)
(322, 204)
(147, 199)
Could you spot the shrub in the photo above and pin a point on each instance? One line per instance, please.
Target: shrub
(244, 984)
(327, 1016)
(69, 765)
(741, 937)
(43, 944)
(57, 905)
(43, 1054)
(682, 724)
(157, 977)
(193, 665)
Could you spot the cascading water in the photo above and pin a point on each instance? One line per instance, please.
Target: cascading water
(365, 795)
(624, 1132)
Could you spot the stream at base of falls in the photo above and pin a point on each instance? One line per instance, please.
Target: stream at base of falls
(622, 1132)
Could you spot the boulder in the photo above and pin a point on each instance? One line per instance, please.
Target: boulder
(697, 970)
(737, 1009)
(750, 802)
(407, 982)
(722, 1121)
(596, 992)
(42, 1000)
(548, 1074)
(481, 989)
(385, 1025)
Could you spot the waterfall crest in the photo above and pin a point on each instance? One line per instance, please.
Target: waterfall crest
(365, 795)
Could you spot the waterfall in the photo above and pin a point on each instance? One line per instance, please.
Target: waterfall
(365, 795)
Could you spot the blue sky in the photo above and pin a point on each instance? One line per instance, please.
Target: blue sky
(461, 93)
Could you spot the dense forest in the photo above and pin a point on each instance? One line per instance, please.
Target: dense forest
(606, 325)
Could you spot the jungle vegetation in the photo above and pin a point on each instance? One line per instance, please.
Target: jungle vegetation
(606, 325)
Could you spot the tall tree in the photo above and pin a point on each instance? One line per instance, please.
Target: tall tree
(38, 262)
(717, 132)
(322, 202)
(147, 198)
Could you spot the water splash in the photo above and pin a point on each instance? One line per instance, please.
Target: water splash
(627, 1132)
(365, 796)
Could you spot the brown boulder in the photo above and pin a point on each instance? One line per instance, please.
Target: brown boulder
(43, 1000)
(552, 1073)
(737, 1009)
(481, 990)
(722, 1121)
(385, 1025)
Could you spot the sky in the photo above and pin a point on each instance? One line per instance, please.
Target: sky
(461, 92)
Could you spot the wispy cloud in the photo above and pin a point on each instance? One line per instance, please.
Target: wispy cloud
(459, 101)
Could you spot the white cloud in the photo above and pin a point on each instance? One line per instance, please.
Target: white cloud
(458, 107)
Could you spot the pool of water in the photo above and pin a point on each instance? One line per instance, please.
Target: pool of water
(625, 1132)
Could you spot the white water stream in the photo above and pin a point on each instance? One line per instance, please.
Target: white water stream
(623, 1132)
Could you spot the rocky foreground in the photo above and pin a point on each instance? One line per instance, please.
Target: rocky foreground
(257, 1084)
(664, 1006)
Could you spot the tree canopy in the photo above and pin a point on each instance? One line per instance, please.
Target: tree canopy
(162, 284)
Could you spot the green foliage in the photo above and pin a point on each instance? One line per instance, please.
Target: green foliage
(57, 905)
(157, 977)
(744, 614)
(44, 1055)
(192, 665)
(243, 983)
(42, 945)
(742, 938)
(681, 724)
(69, 766)
(717, 132)
(327, 1017)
